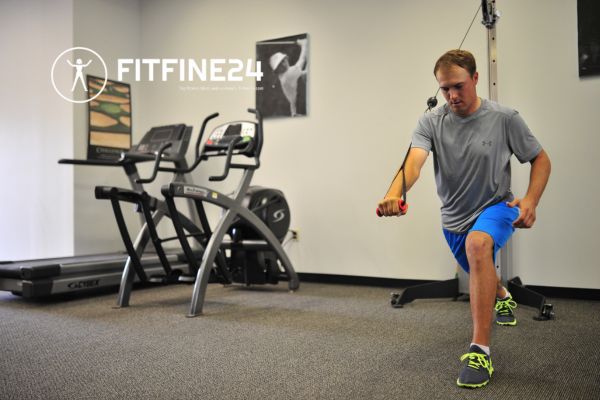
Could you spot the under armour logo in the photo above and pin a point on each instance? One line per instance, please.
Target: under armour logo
(488, 143)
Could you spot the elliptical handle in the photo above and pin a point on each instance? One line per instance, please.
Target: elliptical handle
(255, 112)
(230, 148)
(157, 159)
(259, 139)
(199, 140)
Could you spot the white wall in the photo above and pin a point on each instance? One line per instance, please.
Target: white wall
(369, 78)
(36, 129)
(539, 75)
(370, 73)
(112, 28)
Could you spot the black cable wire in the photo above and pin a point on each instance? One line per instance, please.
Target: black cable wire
(401, 169)
(467, 33)
(432, 101)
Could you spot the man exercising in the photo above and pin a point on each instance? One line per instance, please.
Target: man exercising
(472, 141)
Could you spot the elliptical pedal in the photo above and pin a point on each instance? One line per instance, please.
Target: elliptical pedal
(215, 277)
(187, 278)
(165, 279)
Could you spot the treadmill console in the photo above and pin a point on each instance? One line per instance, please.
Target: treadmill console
(221, 137)
(178, 135)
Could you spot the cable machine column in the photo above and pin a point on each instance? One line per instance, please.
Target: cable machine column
(520, 293)
(490, 17)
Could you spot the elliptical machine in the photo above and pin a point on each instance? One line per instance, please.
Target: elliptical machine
(167, 144)
(257, 219)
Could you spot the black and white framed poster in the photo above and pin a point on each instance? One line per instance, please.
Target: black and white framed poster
(109, 119)
(588, 27)
(282, 90)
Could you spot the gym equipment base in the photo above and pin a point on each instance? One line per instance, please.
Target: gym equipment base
(46, 277)
(449, 288)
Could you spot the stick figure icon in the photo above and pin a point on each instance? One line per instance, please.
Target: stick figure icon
(79, 66)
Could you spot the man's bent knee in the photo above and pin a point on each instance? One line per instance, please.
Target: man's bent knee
(479, 246)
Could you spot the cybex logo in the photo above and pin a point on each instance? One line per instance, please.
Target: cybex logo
(84, 284)
(279, 215)
(195, 191)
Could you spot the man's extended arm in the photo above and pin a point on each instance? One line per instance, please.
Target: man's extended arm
(412, 169)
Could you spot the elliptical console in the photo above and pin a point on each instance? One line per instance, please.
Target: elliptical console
(178, 136)
(240, 133)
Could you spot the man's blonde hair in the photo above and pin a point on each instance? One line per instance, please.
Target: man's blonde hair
(461, 58)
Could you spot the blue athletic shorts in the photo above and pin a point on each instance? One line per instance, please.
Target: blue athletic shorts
(495, 220)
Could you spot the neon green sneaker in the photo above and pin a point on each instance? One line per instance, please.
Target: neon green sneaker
(477, 371)
(504, 313)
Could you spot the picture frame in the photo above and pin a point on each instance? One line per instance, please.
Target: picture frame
(109, 119)
(588, 30)
(282, 91)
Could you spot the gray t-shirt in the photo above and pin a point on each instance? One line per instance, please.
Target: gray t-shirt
(472, 158)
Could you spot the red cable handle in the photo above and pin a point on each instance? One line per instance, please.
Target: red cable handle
(403, 208)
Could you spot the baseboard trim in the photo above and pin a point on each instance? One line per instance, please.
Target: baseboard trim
(548, 291)
(360, 280)
(567, 293)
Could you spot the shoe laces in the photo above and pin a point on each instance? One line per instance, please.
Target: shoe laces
(505, 307)
(477, 360)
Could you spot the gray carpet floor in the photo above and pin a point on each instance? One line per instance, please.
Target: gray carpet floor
(322, 342)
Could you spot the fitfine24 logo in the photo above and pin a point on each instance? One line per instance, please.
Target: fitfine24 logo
(74, 61)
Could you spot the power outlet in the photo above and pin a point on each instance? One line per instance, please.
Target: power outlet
(295, 234)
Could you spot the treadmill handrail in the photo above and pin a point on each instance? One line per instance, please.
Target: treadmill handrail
(157, 159)
(126, 158)
(104, 163)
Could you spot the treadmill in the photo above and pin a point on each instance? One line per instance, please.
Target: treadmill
(45, 277)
